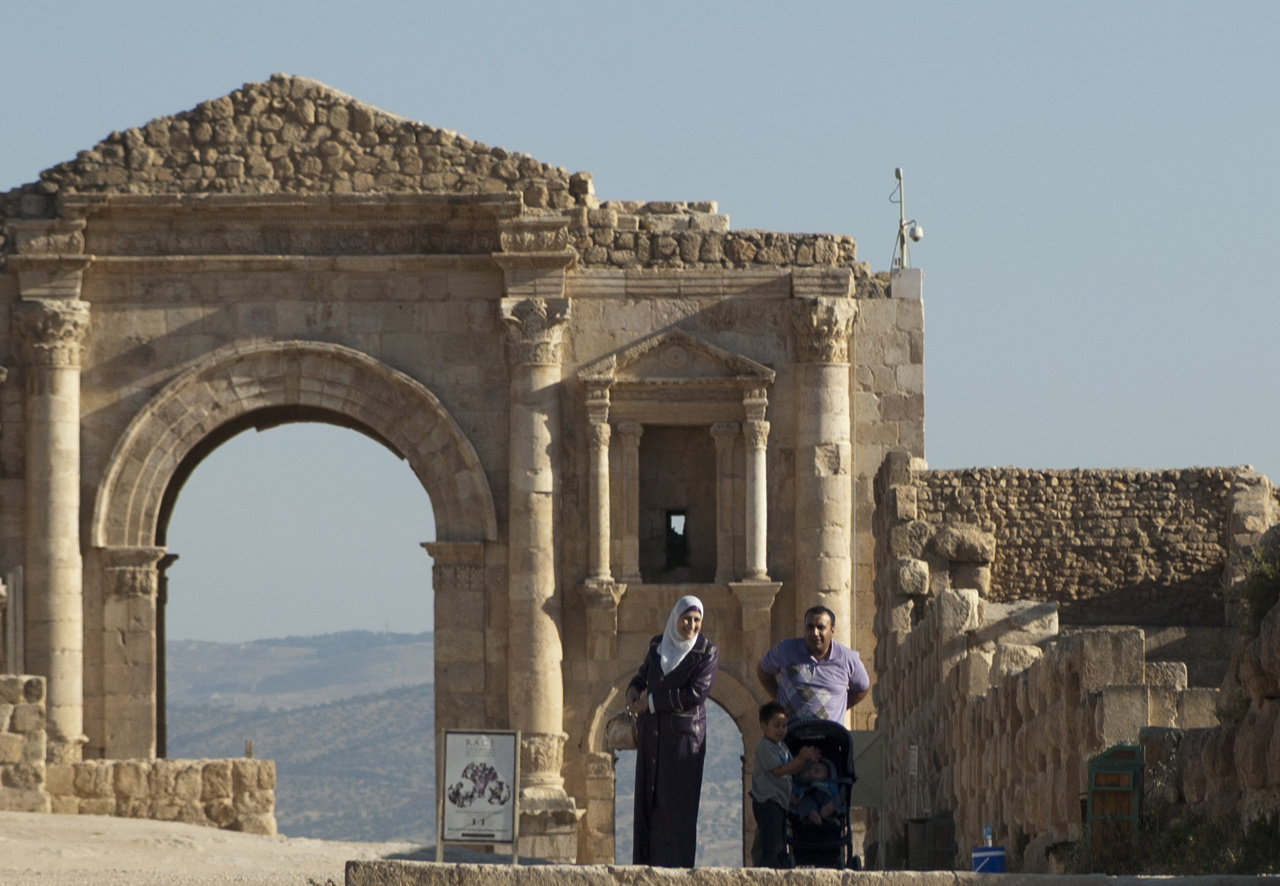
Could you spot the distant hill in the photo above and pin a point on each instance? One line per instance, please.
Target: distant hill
(353, 739)
(294, 672)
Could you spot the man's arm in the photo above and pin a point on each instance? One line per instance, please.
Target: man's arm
(768, 681)
(855, 697)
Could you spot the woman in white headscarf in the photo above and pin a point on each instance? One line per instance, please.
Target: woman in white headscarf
(670, 694)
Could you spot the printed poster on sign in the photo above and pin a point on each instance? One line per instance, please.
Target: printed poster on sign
(479, 787)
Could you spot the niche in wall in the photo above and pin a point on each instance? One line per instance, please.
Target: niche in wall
(677, 504)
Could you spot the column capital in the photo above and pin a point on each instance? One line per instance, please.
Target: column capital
(822, 329)
(50, 330)
(631, 429)
(756, 433)
(598, 432)
(725, 431)
(534, 329)
(602, 593)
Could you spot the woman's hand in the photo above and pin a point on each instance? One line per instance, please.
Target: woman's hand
(636, 700)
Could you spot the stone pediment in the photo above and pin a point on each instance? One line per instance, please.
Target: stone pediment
(299, 136)
(676, 378)
(677, 359)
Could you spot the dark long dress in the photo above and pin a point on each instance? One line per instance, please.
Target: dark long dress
(672, 747)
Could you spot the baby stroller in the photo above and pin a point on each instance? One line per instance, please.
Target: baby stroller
(829, 844)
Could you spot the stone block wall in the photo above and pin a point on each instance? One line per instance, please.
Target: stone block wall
(1107, 546)
(237, 794)
(22, 744)
(1003, 709)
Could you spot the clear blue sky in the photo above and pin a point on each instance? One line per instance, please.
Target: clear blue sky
(1098, 185)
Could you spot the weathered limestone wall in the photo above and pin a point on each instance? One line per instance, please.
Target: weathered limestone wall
(233, 794)
(237, 795)
(1003, 711)
(22, 744)
(1108, 546)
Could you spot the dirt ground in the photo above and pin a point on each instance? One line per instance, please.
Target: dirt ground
(71, 850)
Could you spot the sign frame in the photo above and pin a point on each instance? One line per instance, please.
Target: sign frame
(479, 757)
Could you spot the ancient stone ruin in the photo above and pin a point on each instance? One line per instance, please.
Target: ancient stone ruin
(572, 381)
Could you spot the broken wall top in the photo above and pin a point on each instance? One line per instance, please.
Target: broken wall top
(296, 136)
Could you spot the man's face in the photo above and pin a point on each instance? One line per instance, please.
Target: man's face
(818, 632)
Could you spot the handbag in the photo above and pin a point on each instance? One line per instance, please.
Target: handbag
(622, 731)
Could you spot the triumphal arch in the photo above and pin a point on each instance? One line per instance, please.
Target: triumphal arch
(609, 404)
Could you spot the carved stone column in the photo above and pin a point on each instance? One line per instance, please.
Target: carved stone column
(535, 684)
(725, 434)
(598, 432)
(49, 331)
(756, 432)
(629, 435)
(131, 581)
(824, 458)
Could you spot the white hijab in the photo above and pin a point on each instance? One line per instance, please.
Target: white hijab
(673, 648)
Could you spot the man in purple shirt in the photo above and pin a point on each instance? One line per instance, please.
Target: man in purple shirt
(814, 676)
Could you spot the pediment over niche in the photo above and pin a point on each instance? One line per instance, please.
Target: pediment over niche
(677, 378)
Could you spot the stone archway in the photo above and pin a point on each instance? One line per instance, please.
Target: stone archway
(596, 841)
(220, 389)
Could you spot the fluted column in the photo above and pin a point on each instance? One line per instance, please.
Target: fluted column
(824, 458)
(629, 434)
(535, 685)
(129, 652)
(725, 434)
(50, 331)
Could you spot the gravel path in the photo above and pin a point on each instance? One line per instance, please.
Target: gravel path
(71, 850)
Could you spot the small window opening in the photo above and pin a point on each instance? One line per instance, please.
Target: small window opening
(677, 540)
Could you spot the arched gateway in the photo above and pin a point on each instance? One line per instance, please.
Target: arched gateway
(609, 404)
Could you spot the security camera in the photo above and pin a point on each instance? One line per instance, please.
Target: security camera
(916, 233)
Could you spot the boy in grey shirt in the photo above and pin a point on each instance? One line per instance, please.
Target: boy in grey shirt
(771, 774)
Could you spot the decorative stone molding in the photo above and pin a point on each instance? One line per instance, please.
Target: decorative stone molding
(822, 329)
(50, 330)
(541, 758)
(533, 235)
(131, 571)
(48, 237)
(456, 566)
(534, 329)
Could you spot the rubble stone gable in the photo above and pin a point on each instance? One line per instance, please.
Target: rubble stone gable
(291, 135)
(296, 136)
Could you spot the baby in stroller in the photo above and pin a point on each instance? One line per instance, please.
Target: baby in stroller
(818, 821)
(815, 794)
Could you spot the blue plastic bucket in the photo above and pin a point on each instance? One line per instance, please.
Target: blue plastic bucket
(988, 859)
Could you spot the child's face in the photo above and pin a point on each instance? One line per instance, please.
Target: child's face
(776, 728)
(816, 770)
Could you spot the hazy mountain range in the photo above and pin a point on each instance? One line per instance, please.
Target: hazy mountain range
(349, 720)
